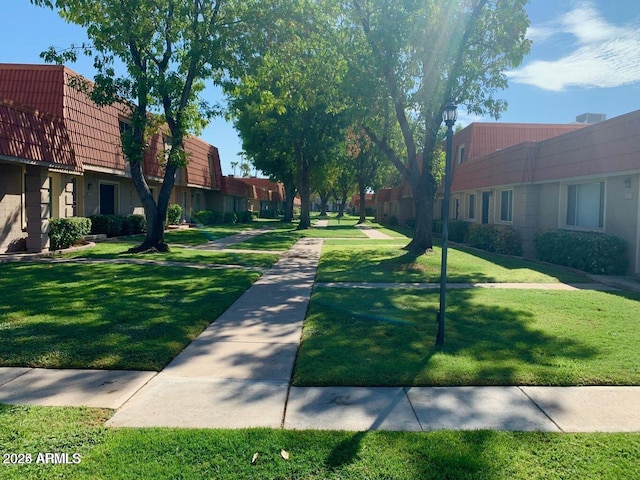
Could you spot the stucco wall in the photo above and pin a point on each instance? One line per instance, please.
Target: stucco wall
(10, 205)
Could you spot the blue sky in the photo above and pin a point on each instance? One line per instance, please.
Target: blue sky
(585, 58)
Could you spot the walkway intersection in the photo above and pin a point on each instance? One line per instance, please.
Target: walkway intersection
(237, 374)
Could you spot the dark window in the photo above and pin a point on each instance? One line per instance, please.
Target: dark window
(472, 207)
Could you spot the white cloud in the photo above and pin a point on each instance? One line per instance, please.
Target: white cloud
(604, 55)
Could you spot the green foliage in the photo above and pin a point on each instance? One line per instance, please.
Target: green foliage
(502, 239)
(208, 217)
(230, 218)
(64, 232)
(174, 214)
(458, 230)
(134, 224)
(393, 221)
(245, 217)
(587, 251)
(109, 225)
(118, 225)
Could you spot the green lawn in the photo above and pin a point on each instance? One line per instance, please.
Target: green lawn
(385, 337)
(385, 261)
(108, 316)
(226, 454)
(117, 249)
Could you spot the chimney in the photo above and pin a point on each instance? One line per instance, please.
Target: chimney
(589, 118)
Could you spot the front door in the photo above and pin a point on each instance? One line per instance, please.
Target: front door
(107, 199)
(485, 206)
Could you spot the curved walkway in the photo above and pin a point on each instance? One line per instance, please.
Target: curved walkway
(237, 374)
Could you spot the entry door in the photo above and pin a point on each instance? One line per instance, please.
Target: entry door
(485, 206)
(107, 199)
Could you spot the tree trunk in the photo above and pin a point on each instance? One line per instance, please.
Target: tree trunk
(304, 188)
(324, 200)
(422, 235)
(289, 195)
(363, 207)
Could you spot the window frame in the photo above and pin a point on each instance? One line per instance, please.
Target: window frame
(509, 208)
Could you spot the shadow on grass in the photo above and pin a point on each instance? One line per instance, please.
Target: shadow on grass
(108, 316)
(362, 338)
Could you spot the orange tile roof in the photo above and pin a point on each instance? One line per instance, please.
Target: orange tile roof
(26, 134)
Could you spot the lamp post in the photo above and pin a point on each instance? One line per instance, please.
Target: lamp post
(449, 116)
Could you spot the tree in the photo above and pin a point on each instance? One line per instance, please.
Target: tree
(420, 54)
(288, 85)
(169, 47)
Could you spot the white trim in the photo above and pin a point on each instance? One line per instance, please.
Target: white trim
(111, 171)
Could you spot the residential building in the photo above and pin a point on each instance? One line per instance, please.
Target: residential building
(535, 177)
(61, 156)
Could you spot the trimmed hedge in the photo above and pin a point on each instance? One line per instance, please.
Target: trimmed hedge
(118, 225)
(245, 217)
(502, 239)
(230, 218)
(174, 214)
(591, 252)
(458, 230)
(208, 217)
(64, 232)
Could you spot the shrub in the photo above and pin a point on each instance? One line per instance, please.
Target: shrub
(174, 214)
(245, 217)
(230, 218)
(393, 220)
(458, 230)
(502, 239)
(410, 223)
(208, 217)
(64, 232)
(369, 211)
(436, 226)
(134, 224)
(591, 252)
(109, 225)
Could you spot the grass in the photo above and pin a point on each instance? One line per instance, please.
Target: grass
(226, 454)
(386, 262)
(108, 316)
(385, 337)
(117, 249)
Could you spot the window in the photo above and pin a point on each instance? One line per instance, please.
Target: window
(456, 215)
(460, 158)
(472, 206)
(585, 205)
(506, 206)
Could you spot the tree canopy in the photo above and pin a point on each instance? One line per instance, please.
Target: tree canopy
(168, 48)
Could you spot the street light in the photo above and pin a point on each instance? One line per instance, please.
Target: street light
(449, 116)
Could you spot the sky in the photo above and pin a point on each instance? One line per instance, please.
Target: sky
(585, 58)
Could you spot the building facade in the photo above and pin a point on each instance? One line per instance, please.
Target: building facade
(61, 156)
(536, 177)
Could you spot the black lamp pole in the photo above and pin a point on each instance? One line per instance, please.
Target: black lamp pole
(449, 115)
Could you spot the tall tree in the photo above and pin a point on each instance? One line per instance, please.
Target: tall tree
(169, 47)
(291, 86)
(419, 55)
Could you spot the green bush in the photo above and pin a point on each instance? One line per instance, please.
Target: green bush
(458, 230)
(591, 252)
(109, 225)
(393, 221)
(64, 232)
(174, 214)
(410, 223)
(230, 218)
(134, 224)
(502, 239)
(245, 217)
(436, 226)
(208, 217)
